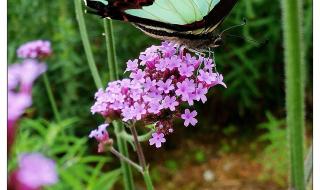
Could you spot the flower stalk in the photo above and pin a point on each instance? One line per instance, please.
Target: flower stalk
(111, 53)
(142, 160)
(113, 74)
(294, 70)
(123, 148)
(128, 177)
(51, 98)
(86, 44)
(121, 157)
(141, 138)
(141, 157)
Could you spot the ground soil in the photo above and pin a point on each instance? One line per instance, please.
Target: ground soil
(182, 167)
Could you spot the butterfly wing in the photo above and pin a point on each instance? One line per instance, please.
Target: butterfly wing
(168, 19)
(174, 15)
(175, 12)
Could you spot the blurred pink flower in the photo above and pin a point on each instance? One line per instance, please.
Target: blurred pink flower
(17, 104)
(35, 49)
(36, 171)
(24, 74)
(20, 81)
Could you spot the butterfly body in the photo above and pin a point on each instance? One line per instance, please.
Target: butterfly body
(191, 23)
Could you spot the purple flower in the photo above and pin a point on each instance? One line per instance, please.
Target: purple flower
(160, 80)
(30, 70)
(155, 107)
(148, 58)
(136, 94)
(189, 117)
(132, 65)
(17, 104)
(157, 139)
(22, 76)
(128, 113)
(205, 76)
(25, 74)
(168, 49)
(162, 65)
(201, 93)
(218, 79)
(101, 135)
(138, 76)
(125, 83)
(36, 171)
(170, 102)
(192, 61)
(174, 62)
(208, 64)
(155, 95)
(166, 87)
(150, 84)
(150, 50)
(100, 93)
(14, 72)
(186, 70)
(189, 98)
(34, 49)
(139, 110)
(185, 88)
(99, 107)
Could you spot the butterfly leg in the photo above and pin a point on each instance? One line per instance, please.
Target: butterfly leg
(197, 52)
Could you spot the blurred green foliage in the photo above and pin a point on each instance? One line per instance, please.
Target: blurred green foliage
(77, 167)
(274, 156)
(200, 156)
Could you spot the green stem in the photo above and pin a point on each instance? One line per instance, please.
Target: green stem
(294, 70)
(122, 157)
(122, 144)
(147, 179)
(142, 160)
(111, 50)
(51, 98)
(141, 138)
(123, 149)
(86, 44)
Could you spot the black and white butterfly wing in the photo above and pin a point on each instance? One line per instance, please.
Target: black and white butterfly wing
(190, 22)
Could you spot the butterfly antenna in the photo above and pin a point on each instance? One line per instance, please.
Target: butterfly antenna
(235, 26)
(255, 42)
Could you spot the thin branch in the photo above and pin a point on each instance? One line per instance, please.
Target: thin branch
(122, 157)
(141, 158)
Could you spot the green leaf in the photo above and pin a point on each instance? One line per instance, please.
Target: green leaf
(107, 180)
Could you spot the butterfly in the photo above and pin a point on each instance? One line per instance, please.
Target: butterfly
(191, 23)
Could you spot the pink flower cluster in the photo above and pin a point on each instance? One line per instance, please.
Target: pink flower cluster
(21, 77)
(34, 172)
(35, 49)
(20, 81)
(163, 78)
